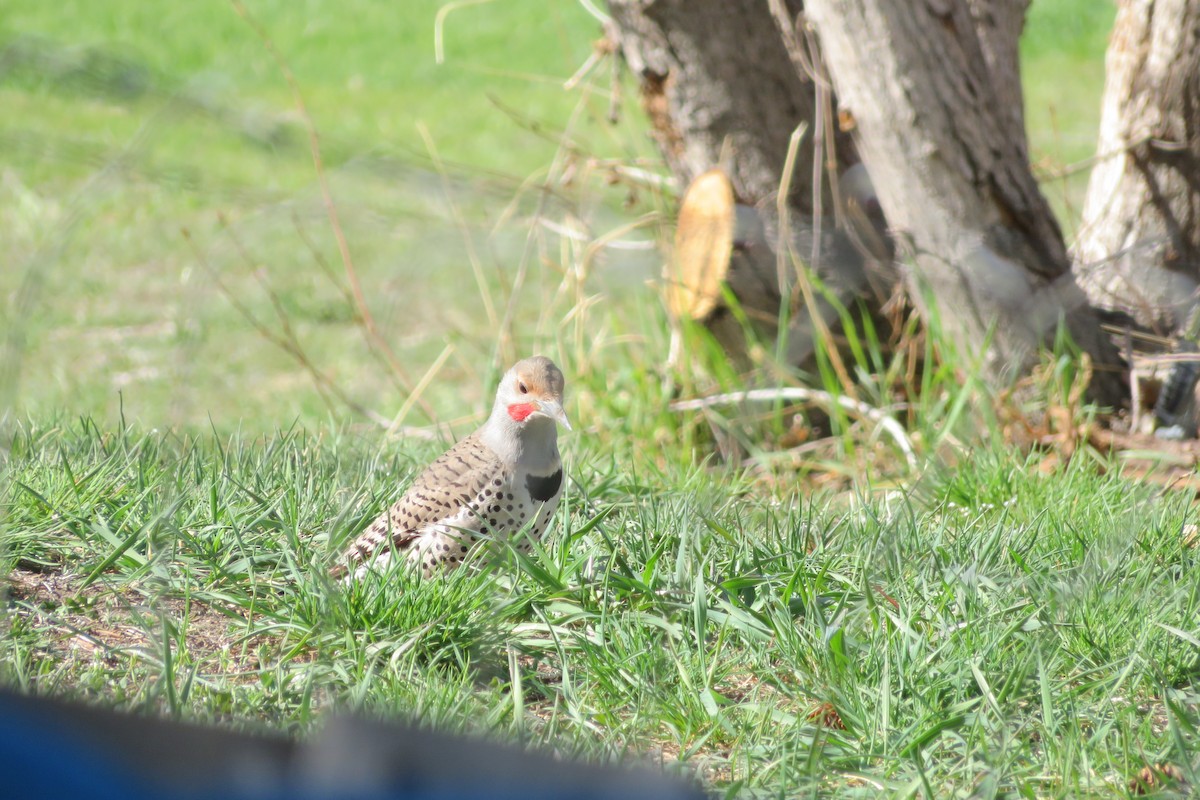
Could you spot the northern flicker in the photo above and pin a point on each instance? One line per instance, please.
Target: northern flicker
(504, 477)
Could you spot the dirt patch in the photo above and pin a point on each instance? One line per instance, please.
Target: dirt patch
(114, 624)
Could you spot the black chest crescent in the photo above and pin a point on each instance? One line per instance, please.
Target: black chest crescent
(543, 487)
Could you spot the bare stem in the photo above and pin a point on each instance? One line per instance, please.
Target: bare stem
(801, 395)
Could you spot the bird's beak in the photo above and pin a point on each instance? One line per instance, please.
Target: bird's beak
(554, 410)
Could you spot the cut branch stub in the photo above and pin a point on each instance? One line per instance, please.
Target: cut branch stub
(728, 250)
(703, 247)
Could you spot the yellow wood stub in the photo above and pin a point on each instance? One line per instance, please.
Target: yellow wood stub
(703, 246)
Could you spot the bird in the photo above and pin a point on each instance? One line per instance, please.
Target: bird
(505, 477)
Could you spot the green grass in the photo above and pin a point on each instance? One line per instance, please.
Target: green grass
(1006, 631)
(127, 125)
(368, 70)
(1062, 71)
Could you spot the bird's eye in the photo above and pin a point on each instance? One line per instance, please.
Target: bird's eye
(521, 388)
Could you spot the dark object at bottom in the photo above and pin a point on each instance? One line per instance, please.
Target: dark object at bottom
(51, 748)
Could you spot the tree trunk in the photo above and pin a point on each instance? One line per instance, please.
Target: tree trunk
(999, 23)
(1139, 251)
(716, 78)
(722, 89)
(952, 175)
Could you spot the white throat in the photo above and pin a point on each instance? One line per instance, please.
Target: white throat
(532, 445)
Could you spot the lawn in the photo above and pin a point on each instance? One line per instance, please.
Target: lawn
(1001, 629)
(154, 166)
(192, 412)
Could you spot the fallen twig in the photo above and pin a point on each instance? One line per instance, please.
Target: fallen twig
(893, 428)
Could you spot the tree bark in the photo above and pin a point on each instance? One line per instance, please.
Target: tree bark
(952, 175)
(1138, 254)
(716, 79)
(724, 89)
(999, 23)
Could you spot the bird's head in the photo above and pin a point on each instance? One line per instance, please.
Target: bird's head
(532, 390)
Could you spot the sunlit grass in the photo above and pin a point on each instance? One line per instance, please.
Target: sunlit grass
(1035, 632)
